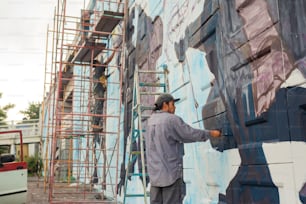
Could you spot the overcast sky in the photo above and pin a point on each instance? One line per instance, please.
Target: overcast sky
(22, 49)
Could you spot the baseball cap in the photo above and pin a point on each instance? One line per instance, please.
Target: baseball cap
(164, 98)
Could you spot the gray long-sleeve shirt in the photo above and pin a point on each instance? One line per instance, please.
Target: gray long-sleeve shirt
(165, 135)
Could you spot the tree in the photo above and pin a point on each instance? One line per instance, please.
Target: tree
(32, 112)
(4, 110)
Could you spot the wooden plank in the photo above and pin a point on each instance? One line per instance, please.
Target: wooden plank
(108, 21)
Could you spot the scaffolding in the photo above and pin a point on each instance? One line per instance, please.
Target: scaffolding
(82, 104)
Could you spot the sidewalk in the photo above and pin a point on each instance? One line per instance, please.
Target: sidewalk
(36, 194)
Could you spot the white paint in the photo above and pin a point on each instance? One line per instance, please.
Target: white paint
(287, 165)
(295, 79)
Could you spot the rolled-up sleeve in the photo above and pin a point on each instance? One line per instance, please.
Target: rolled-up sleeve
(184, 133)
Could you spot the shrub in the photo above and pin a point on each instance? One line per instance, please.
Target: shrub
(34, 164)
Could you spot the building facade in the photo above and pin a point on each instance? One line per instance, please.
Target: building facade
(238, 66)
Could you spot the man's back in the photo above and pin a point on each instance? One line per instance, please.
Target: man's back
(164, 153)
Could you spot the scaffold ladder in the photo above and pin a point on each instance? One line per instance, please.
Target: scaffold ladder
(84, 103)
(148, 84)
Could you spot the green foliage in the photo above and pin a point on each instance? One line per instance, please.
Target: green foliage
(35, 164)
(3, 111)
(32, 112)
(72, 179)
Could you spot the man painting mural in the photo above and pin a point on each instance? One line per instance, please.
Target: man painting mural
(165, 137)
(100, 83)
(254, 59)
(99, 89)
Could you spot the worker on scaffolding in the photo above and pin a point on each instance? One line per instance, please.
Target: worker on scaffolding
(164, 137)
(100, 83)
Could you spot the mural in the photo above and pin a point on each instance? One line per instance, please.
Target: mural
(239, 66)
(251, 55)
(258, 62)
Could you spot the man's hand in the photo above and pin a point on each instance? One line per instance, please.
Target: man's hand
(215, 133)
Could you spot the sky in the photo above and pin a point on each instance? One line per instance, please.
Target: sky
(23, 47)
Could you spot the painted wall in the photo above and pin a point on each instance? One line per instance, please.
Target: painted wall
(238, 66)
(79, 107)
